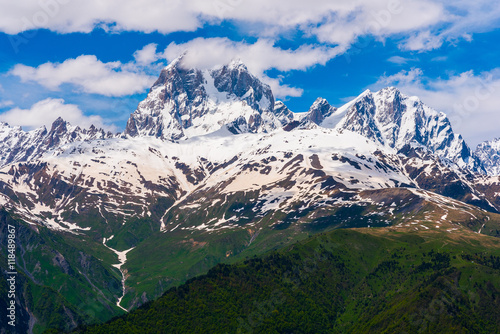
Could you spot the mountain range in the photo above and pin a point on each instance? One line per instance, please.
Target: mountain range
(211, 168)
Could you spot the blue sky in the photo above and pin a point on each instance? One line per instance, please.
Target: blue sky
(91, 62)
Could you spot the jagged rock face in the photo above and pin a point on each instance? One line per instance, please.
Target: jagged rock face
(282, 112)
(234, 79)
(189, 102)
(489, 155)
(318, 112)
(14, 142)
(17, 145)
(405, 120)
(396, 120)
(360, 119)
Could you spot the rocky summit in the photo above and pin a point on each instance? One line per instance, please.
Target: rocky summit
(187, 102)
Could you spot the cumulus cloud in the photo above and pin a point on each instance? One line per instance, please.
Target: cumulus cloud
(379, 19)
(259, 56)
(88, 74)
(147, 55)
(402, 78)
(423, 24)
(46, 111)
(67, 16)
(422, 41)
(470, 100)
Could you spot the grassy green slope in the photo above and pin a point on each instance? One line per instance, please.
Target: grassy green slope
(63, 279)
(346, 281)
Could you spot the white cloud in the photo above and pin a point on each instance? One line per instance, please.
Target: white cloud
(402, 78)
(87, 73)
(471, 101)
(5, 103)
(259, 57)
(46, 111)
(280, 90)
(399, 60)
(422, 24)
(379, 19)
(147, 55)
(90, 75)
(422, 41)
(68, 16)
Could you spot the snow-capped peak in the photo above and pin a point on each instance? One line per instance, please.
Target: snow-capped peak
(188, 102)
(488, 153)
(365, 93)
(18, 145)
(317, 113)
(397, 120)
(238, 65)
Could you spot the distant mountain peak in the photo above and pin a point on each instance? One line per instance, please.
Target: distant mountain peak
(187, 102)
(396, 120)
(317, 113)
(367, 92)
(18, 145)
(488, 153)
(319, 102)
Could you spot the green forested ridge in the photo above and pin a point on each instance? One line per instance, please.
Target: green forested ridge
(58, 282)
(346, 281)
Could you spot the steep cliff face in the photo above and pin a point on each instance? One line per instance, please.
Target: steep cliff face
(489, 155)
(317, 113)
(188, 102)
(395, 120)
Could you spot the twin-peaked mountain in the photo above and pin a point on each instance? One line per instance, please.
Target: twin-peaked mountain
(212, 166)
(189, 102)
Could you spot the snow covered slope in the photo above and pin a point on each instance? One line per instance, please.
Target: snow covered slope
(489, 155)
(235, 138)
(396, 120)
(17, 145)
(121, 178)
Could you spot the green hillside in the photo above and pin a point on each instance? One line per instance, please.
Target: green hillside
(61, 279)
(344, 281)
